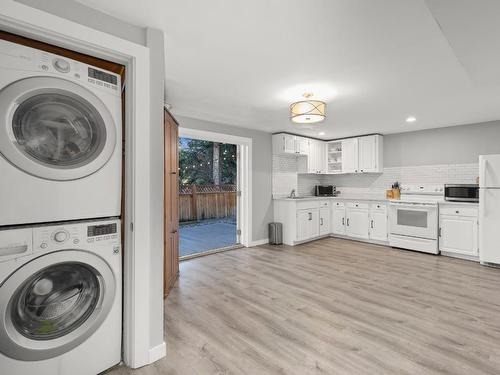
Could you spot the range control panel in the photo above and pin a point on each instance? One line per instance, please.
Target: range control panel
(76, 235)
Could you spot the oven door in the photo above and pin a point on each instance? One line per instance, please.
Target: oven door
(414, 219)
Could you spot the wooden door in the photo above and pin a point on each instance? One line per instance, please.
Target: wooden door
(171, 197)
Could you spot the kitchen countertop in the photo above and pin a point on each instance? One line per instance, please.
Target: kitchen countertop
(471, 204)
(349, 197)
(346, 197)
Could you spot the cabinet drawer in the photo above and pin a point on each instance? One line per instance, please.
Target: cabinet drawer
(357, 205)
(378, 207)
(458, 211)
(304, 205)
(324, 203)
(338, 204)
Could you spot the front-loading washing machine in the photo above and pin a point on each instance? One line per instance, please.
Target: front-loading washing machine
(60, 138)
(60, 298)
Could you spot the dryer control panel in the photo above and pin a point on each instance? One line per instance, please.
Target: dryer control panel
(76, 235)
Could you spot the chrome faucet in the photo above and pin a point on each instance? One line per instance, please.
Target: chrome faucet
(292, 194)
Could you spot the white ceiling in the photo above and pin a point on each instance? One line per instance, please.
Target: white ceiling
(374, 62)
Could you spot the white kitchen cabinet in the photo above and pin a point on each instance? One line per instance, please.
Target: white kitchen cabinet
(333, 158)
(378, 222)
(302, 145)
(307, 224)
(362, 154)
(458, 231)
(324, 221)
(284, 143)
(369, 154)
(357, 222)
(338, 218)
(316, 160)
(350, 155)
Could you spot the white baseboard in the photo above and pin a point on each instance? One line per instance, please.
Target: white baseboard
(157, 352)
(259, 242)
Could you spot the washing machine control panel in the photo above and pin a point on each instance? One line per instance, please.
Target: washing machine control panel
(76, 235)
(75, 70)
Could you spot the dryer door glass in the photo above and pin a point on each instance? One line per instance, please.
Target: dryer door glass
(55, 301)
(59, 130)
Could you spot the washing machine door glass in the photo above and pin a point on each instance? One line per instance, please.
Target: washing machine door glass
(57, 129)
(55, 301)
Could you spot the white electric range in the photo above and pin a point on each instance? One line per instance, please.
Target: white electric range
(413, 219)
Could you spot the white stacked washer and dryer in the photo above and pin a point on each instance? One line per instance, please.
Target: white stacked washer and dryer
(60, 162)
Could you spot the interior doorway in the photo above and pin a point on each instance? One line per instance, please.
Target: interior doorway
(242, 191)
(208, 196)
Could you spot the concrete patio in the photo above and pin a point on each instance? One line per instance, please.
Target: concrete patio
(206, 235)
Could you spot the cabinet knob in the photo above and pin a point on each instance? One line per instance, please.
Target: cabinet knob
(457, 212)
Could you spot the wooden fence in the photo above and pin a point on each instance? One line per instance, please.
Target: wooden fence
(198, 202)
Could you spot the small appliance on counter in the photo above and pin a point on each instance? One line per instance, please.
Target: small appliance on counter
(461, 192)
(325, 190)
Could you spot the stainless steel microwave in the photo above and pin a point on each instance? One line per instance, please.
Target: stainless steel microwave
(324, 191)
(461, 192)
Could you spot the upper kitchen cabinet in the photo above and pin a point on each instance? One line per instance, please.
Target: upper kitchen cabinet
(370, 154)
(316, 160)
(290, 144)
(350, 155)
(362, 154)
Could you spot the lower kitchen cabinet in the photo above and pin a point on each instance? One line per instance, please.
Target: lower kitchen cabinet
(324, 221)
(357, 222)
(458, 231)
(305, 220)
(338, 218)
(378, 222)
(307, 224)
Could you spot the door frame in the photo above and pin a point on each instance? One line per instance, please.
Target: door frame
(244, 218)
(139, 319)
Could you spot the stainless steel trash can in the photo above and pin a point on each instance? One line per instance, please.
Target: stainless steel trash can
(275, 233)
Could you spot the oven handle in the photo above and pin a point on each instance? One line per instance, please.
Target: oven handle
(413, 205)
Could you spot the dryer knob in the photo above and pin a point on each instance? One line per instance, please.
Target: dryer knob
(61, 65)
(60, 236)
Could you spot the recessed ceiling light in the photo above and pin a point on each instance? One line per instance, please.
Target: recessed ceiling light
(321, 133)
(411, 119)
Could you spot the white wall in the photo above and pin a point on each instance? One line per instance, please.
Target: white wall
(81, 14)
(262, 208)
(451, 145)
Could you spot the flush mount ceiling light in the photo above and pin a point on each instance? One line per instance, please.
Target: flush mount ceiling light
(411, 119)
(307, 111)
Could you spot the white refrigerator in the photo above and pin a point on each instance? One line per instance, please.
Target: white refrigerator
(489, 209)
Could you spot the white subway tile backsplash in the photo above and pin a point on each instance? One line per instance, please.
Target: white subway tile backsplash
(369, 183)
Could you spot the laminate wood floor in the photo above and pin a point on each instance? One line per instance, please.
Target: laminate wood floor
(331, 307)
